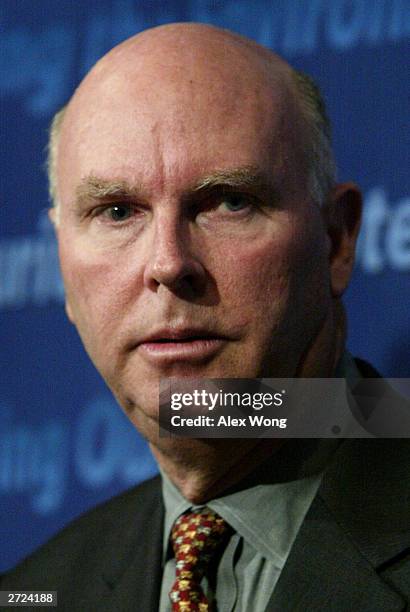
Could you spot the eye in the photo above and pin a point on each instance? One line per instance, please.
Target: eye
(234, 202)
(225, 206)
(118, 212)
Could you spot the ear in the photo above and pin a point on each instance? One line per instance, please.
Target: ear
(69, 312)
(52, 215)
(342, 214)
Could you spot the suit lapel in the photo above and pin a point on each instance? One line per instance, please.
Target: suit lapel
(325, 571)
(354, 533)
(133, 575)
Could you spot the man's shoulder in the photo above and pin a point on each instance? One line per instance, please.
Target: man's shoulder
(90, 537)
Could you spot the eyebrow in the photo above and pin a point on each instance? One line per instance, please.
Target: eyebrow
(248, 177)
(95, 188)
(244, 177)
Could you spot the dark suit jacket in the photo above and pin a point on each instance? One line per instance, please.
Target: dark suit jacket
(352, 553)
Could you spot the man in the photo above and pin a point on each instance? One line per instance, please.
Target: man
(202, 234)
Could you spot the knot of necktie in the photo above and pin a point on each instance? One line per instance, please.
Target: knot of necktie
(196, 538)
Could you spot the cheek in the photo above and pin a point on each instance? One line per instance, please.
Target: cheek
(254, 270)
(252, 277)
(275, 274)
(96, 290)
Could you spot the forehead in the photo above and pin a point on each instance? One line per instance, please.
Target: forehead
(163, 121)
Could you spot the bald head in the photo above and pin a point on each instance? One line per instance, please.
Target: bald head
(188, 53)
(184, 71)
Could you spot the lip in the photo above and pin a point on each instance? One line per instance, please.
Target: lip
(192, 345)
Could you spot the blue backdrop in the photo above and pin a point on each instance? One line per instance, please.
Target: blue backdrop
(64, 444)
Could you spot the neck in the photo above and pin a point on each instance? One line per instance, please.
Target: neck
(206, 468)
(202, 469)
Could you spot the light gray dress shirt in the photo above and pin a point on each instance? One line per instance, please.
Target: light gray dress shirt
(266, 515)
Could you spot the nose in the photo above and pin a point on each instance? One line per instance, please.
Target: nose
(172, 263)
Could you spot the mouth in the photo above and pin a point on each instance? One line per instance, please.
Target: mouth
(180, 345)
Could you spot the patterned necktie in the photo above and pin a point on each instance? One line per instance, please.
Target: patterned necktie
(196, 537)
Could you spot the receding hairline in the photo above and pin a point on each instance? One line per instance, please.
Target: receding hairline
(309, 103)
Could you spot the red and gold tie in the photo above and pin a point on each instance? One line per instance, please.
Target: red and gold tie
(196, 537)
